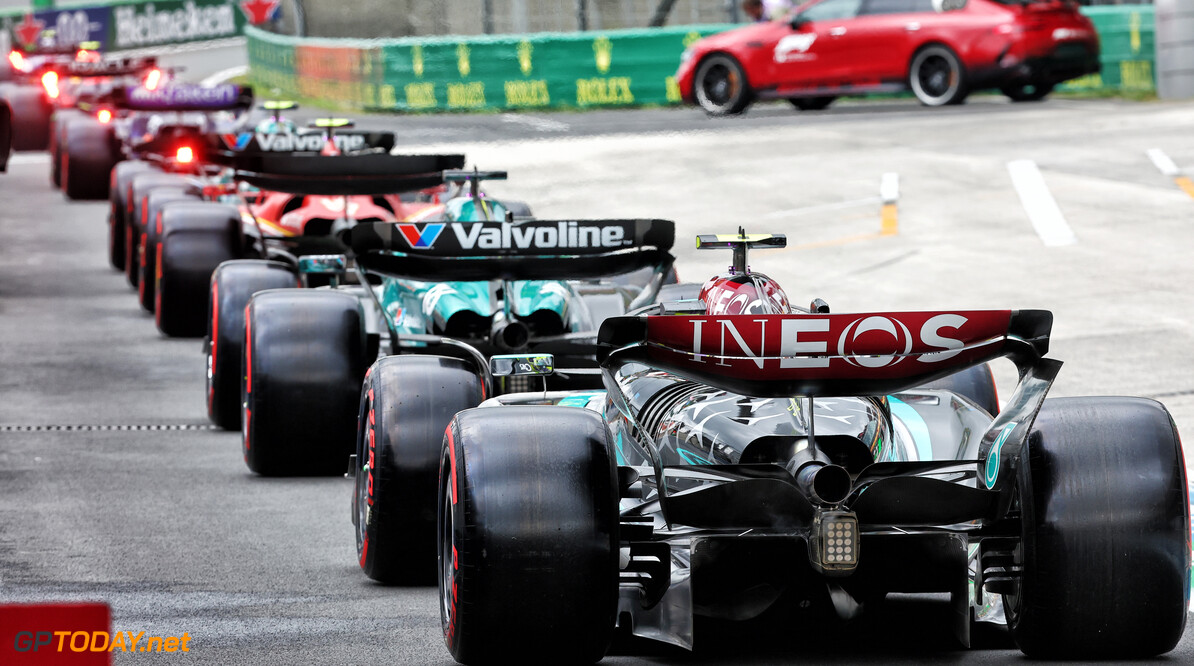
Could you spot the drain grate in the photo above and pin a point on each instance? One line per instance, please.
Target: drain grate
(92, 428)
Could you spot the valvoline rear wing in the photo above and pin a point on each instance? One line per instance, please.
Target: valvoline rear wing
(528, 250)
(341, 175)
(184, 97)
(825, 354)
(117, 67)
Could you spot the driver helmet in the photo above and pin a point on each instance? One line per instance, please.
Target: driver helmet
(744, 293)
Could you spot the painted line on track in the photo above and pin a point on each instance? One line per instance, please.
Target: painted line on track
(1167, 167)
(1040, 205)
(225, 74)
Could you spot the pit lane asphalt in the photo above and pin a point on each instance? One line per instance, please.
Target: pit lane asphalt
(169, 528)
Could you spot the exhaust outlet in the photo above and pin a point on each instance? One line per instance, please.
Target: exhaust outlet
(510, 335)
(826, 485)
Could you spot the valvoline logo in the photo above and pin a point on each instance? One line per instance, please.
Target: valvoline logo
(237, 141)
(423, 238)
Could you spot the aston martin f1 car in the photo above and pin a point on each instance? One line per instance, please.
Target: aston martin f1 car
(745, 450)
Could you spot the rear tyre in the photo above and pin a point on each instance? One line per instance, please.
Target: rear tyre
(720, 86)
(976, 383)
(88, 155)
(192, 239)
(59, 121)
(528, 511)
(521, 210)
(1027, 92)
(155, 203)
(937, 76)
(1105, 550)
(406, 404)
(135, 220)
(811, 103)
(304, 363)
(118, 186)
(232, 285)
(30, 117)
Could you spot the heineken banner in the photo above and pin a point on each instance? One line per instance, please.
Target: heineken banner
(130, 24)
(571, 70)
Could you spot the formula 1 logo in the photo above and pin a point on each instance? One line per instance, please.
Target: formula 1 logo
(421, 239)
(793, 47)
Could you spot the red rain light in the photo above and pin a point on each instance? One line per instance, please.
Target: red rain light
(49, 81)
(185, 155)
(153, 79)
(104, 116)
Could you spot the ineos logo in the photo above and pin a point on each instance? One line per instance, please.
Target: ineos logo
(900, 335)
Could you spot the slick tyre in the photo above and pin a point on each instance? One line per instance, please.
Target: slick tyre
(191, 239)
(937, 76)
(406, 405)
(88, 155)
(30, 117)
(118, 182)
(975, 383)
(155, 204)
(528, 512)
(1027, 92)
(305, 359)
(720, 86)
(136, 216)
(232, 285)
(58, 125)
(1105, 532)
(811, 103)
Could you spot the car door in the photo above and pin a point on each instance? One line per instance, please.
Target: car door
(812, 54)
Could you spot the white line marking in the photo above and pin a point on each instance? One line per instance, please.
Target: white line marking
(186, 47)
(820, 207)
(889, 188)
(29, 158)
(225, 74)
(541, 124)
(1162, 162)
(1034, 194)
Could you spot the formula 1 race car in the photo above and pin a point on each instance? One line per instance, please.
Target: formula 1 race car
(549, 282)
(746, 451)
(940, 50)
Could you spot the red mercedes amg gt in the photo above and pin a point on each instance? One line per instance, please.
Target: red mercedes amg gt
(941, 50)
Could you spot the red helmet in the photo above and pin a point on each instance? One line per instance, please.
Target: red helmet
(744, 293)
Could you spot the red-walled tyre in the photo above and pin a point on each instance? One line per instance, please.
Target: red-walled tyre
(528, 502)
(406, 404)
(192, 238)
(305, 358)
(232, 285)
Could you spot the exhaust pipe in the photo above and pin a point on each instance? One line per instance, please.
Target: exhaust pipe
(825, 485)
(510, 335)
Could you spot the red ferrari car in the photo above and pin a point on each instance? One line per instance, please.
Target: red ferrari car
(941, 50)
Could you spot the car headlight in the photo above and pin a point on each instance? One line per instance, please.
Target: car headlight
(686, 56)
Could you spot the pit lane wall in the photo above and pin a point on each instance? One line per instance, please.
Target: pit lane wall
(570, 70)
(130, 24)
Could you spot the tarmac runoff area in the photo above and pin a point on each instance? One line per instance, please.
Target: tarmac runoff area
(146, 508)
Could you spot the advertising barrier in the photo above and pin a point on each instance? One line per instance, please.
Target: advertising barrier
(128, 24)
(571, 70)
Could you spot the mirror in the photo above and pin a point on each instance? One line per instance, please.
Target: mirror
(798, 21)
(514, 365)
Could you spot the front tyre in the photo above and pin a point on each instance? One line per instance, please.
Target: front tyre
(937, 77)
(406, 404)
(720, 86)
(527, 535)
(1104, 552)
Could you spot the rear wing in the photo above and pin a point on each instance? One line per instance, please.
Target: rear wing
(825, 354)
(240, 150)
(339, 175)
(528, 250)
(111, 67)
(184, 97)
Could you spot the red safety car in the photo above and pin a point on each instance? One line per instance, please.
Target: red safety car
(941, 50)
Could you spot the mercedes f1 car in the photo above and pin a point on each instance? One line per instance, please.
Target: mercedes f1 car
(745, 450)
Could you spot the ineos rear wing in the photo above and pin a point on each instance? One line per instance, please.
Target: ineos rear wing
(528, 250)
(825, 354)
(342, 175)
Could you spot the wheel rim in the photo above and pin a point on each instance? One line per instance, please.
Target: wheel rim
(721, 85)
(447, 563)
(362, 491)
(936, 76)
